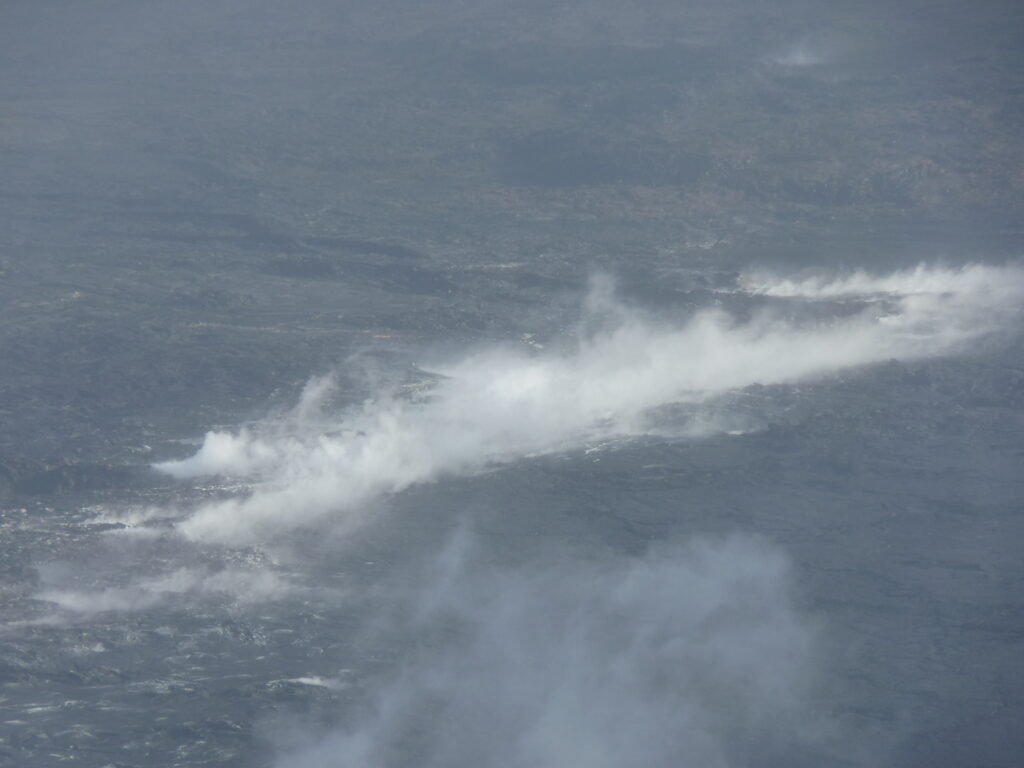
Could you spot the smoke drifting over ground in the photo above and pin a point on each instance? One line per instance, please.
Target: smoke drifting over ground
(686, 656)
(499, 405)
(516, 648)
(205, 202)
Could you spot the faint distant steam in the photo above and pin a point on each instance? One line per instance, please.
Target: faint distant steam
(498, 405)
(802, 54)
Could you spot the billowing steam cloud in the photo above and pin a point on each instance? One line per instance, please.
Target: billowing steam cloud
(499, 405)
(691, 656)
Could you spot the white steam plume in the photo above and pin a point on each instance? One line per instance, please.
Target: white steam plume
(238, 585)
(972, 281)
(499, 405)
(690, 656)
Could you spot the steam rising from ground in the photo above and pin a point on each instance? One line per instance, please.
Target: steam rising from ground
(75, 592)
(802, 54)
(498, 405)
(692, 656)
(970, 282)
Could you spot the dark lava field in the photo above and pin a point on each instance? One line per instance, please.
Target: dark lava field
(511, 384)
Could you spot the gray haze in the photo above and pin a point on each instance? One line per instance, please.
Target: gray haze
(562, 384)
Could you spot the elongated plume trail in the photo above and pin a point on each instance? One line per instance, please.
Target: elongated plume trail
(499, 405)
(973, 280)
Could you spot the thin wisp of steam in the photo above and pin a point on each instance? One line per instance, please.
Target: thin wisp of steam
(972, 280)
(499, 405)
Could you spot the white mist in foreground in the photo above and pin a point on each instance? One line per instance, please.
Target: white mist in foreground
(500, 405)
(689, 656)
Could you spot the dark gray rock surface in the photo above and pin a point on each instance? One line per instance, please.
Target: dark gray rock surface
(204, 204)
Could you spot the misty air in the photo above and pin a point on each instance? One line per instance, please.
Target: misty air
(479, 384)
